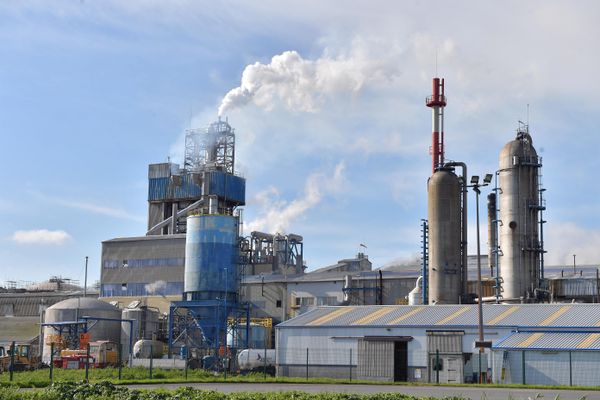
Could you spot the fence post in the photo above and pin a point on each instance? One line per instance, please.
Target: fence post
(523, 366)
(570, 370)
(151, 351)
(11, 367)
(350, 365)
(307, 363)
(437, 366)
(120, 360)
(51, 360)
(87, 362)
(265, 364)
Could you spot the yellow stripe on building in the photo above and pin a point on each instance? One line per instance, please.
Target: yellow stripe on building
(588, 341)
(330, 316)
(403, 317)
(531, 339)
(505, 314)
(554, 316)
(372, 317)
(452, 316)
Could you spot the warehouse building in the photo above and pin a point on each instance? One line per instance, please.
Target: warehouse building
(531, 343)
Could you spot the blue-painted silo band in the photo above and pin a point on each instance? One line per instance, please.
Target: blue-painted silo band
(211, 250)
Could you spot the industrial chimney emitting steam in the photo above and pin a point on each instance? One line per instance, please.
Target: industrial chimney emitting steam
(446, 214)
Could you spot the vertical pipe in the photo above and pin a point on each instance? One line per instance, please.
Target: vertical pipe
(425, 266)
(464, 232)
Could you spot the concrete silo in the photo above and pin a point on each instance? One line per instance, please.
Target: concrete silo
(521, 266)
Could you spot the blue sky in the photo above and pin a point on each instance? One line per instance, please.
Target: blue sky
(332, 131)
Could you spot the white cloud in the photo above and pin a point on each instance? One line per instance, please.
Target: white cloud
(277, 215)
(41, 236)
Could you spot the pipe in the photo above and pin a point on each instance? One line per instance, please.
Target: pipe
(181, 213)
(463, 241)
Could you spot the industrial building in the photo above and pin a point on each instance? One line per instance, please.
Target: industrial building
(200, 287)
(532, 343)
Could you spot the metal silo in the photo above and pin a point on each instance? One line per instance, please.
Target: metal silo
(211, 262)
(447, 213)
(445, 258)
(519, 241)
(71, 310)
(145, 324)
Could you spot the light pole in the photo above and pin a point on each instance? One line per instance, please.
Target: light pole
(481, 344)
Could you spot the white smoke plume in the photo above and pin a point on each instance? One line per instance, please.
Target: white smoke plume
(302, 85)
(157, 287)
(277, 215)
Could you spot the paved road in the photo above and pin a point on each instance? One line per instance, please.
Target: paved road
(473, 393)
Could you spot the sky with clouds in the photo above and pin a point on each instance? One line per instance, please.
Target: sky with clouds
(327, 99)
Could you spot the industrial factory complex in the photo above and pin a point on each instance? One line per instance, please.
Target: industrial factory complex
(194, 289)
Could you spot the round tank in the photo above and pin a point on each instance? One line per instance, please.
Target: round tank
(444, 215)
(145, 325)
(254, 359)
(70, 310)
(211, 262)
(519, 204)
(144, 348)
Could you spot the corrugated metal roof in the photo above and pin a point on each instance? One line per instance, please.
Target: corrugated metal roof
(501, 315)
(550, 341)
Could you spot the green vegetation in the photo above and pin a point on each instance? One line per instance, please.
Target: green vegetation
(108, 391)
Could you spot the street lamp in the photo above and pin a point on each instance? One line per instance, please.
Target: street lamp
(481, 344)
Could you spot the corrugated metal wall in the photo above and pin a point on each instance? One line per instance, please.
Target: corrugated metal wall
(375, 360)
(445, 342)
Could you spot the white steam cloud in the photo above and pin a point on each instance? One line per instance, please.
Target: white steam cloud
(302, 85)
(277, 215)
(41, 236)
(157, 287)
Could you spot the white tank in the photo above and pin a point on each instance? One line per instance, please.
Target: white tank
(519, 207)
(444, 215)
(254, 359)
(71, 310)
(144, 348)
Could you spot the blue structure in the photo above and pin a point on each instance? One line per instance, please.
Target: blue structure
(210, 306)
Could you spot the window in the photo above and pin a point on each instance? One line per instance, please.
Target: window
(278, 304)
(305, 301)
(327, 301)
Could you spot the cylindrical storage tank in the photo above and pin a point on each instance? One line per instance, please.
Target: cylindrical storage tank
(211, 262)
(519, 205)
(70, 310)
(444, 215)
(145, 324)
